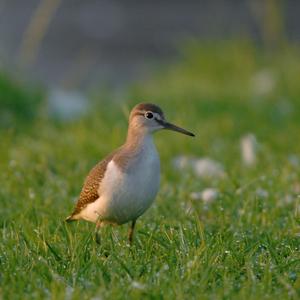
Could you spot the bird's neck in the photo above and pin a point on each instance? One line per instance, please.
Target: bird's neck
(138, 139)
(138, 146)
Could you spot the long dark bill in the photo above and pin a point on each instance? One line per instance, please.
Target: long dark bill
(173, 127)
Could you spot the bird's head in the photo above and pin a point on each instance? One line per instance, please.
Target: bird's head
(149, 118)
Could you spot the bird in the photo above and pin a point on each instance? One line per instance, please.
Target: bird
(121, 187)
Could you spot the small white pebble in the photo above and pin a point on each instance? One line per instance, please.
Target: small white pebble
(202, 167)
(262, 193)
(31, 194)
(249, 149)
(182, 162)
(208, 168)
(208, 195)
(137, 285)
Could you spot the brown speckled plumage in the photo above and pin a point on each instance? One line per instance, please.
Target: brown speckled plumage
(89, 192)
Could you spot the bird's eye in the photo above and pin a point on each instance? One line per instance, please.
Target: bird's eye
(148, 115)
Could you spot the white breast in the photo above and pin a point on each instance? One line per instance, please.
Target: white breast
(126, 195)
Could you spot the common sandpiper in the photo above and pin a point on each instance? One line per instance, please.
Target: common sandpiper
(121, 187)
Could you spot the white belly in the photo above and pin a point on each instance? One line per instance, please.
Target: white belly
(125, 196)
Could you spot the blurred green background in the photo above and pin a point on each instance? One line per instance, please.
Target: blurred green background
(225, 84)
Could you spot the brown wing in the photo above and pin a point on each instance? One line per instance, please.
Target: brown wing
(89, 192)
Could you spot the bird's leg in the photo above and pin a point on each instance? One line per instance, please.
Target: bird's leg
(131, 231)
(97, 232)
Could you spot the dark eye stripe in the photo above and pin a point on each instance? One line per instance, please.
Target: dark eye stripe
(160, 122)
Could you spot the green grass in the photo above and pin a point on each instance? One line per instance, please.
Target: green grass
(245, 245)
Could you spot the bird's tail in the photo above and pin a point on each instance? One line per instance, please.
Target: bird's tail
(70, 218)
